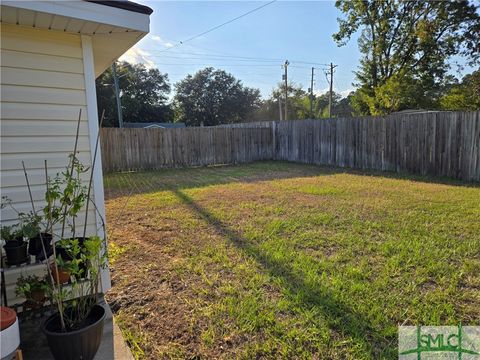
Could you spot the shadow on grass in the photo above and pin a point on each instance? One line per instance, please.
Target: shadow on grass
(309, 295)
(122, 184)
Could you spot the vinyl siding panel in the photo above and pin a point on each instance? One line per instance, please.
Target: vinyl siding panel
(42, 78)
(42, 92)
(35, 128)
(28, 111)
(28, 144)
(55, 160)
(43, 95)
(18, 59)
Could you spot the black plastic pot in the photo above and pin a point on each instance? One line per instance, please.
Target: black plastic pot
(79, 344)
(63, 252)
(35, 245)
(16, 251)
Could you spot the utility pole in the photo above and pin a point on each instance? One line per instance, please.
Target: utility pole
(311, 93)
(331, 90)
(280, 108)
(117, 95)
(285, 77)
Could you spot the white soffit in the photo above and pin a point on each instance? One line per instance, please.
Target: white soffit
(113, 30)
(73, 16)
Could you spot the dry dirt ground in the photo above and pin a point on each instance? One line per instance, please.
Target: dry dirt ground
(286, 261)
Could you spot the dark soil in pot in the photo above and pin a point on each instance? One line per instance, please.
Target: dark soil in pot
(16, 251)
(35, 246)
(78, 344)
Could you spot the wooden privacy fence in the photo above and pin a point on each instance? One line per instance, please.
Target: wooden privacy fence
(440, 143)
(141, 149)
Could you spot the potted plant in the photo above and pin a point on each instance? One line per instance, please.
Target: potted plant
(15, 245)
(60, 270)
(26, 233)
(33, 289)
(75, 330)
(31, 227)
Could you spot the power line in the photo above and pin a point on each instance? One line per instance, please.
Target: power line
(237, 57)
(285, 77)
(196, 64)
(219, 26)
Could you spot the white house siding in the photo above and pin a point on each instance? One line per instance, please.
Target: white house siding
(42, 91)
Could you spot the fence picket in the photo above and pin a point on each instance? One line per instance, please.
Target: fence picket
(441, 144)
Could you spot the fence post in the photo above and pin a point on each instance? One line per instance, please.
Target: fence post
(274, 140)
(441, 144)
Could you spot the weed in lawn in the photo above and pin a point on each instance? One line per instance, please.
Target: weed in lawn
(133, 338)
(114, 252)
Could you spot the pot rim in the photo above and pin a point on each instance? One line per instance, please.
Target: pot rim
(24, 243)
(75, 332)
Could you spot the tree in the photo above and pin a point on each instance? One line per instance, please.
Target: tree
(213, 97)
(143, 94)
(299, 105)
(463, 96)
(406, 46)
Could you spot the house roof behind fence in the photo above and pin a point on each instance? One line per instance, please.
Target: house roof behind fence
(136, 125)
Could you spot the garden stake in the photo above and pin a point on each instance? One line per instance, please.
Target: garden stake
(91, 173)
(73, 165)
(59, 304)
(93, 292)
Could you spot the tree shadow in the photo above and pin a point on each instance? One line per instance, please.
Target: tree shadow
(339, 316)
(145, 182)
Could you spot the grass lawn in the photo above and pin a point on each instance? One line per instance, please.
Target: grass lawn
(276, 260)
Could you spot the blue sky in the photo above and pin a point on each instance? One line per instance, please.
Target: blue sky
(295, 30)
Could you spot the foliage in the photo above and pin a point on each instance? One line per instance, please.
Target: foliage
(26, 285)
(28, 227)
(30, 224)
(65, 198)
(212, 97)
(65, 195)
(11, 233)
(87, 259)
(299, 105)
(143, 95)
(406, 46)
(464, 96)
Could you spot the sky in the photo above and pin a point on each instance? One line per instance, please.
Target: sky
(252, 48)
(297, 31)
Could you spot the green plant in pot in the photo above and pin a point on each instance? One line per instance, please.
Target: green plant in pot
(60, 270)
(33, 289)
(32, 229)
(27, 232)
(15, 246)
(75, 330)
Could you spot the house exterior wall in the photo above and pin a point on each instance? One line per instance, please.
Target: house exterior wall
(43, 88)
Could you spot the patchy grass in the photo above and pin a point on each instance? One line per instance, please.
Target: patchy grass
(279, 260)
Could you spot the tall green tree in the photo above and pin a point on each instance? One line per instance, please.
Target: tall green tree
(406, 46)
(299, 105)
(143, 93)
(212, 97)
(463, 96)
